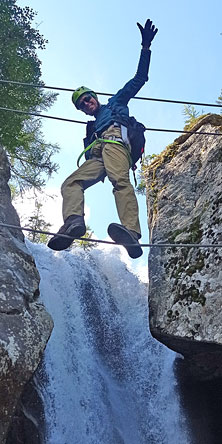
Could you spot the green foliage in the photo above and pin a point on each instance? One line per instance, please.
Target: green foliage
(219, 101)
(31, 157)
(141, 187)
(14, 191)
(37, 222)
(84, 243)
(20, 133)
(191, 115)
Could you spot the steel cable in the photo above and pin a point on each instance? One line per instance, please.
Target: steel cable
(82, 122)
(162, 245)
(183, 102)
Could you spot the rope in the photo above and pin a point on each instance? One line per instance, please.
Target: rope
(183, 102)
(163, 245)
(80, 121)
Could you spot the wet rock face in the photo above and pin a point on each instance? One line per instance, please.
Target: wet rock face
(28, 422)
(25, 326)
(185, 284)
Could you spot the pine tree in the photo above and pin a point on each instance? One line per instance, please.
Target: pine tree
(191, 115)
(84, 243)
(20, 134)
(219, 101)
(141, 187)
(37, 222)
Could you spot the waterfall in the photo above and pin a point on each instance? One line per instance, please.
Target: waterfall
(105, 379)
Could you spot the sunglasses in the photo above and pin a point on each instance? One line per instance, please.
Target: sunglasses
(85, 100)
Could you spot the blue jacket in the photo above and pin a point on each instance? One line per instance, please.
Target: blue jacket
(116, 109)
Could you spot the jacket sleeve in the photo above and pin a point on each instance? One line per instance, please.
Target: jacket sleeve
(132, 87)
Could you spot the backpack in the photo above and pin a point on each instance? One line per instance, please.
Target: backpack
(135, 133)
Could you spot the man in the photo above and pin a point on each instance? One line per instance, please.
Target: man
(107, 157)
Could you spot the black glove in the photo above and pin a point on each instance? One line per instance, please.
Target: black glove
(148, 33)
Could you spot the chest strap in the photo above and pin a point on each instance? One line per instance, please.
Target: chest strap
(114, 140)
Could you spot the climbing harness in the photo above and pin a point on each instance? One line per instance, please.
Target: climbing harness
(113, 139)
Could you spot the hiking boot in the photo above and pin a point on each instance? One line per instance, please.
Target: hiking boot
(74, 227)
(121, 235)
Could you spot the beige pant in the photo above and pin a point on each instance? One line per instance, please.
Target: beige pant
(109, 160)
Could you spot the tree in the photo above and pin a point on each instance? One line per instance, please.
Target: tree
(191, 115)
(37, 222)
(84, 243)
(31, 158)
(219, 101)
(141, 187)
(20, 134)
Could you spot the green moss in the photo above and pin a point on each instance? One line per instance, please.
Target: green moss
(171, 149)
(194, 233)
(154, 192)
(197, 266)
(194, 121)
(189, 295)
(163, 157)
(191, 270)
(169, 152)
(173, 234)
(177, 271)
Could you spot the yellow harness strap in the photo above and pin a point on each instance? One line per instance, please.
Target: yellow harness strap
(96, 141)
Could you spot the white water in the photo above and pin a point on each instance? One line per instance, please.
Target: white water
(106, 380)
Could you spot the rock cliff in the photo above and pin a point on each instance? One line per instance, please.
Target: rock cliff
(25, 326)
(184, 198)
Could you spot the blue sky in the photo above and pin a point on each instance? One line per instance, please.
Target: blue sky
(97, 44)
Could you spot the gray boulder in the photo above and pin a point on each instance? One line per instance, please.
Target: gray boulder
(25, 326)
(184, 198)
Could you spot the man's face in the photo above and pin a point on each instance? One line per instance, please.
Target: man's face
(88, 104)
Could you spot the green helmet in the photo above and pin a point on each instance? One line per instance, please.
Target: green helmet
(79, 92)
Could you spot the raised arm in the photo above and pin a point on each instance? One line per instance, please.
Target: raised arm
(132, 87)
